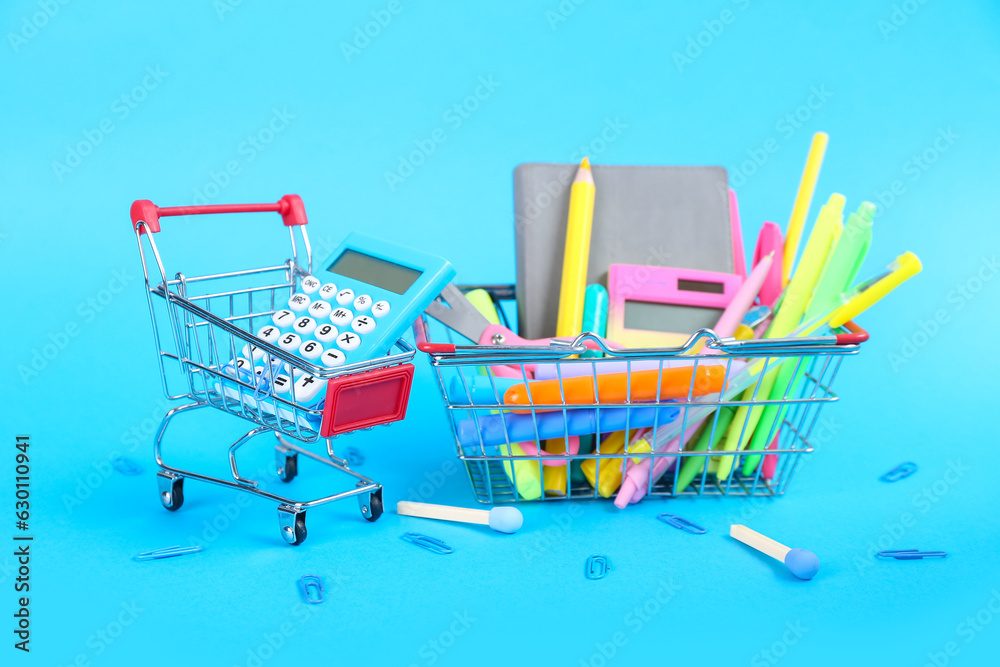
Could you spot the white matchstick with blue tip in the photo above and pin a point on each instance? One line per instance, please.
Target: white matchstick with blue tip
(500, 519)
(801, 562)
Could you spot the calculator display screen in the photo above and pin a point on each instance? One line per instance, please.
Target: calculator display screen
(374, 271)
(668, 317)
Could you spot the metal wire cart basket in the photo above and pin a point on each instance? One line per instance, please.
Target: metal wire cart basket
(203, 326)
(566, 438)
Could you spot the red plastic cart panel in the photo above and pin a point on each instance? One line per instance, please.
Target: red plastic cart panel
(367, 399)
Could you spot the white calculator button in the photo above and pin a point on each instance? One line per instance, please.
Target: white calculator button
(269, 333)
(311, 349)
(252, 352)
(309, 285)
(320, 310)
(304, 326)
(363, 324)
(299, 302)
(348, 341)
(341, 317)
(333, 358)
(380, 308)
(283, 318)
(362, 303)
(306, 388)
(345, 296)
(326, 333)
(328, 291)
(282, 384)
(241, 363)
(290, 342)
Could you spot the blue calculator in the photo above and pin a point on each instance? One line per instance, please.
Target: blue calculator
(359, 302)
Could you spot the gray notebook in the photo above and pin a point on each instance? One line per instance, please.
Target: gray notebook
(656, 216)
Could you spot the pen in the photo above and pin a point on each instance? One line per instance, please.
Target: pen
(743, 299)
(793, 305)
(803, 198)
(577, 252)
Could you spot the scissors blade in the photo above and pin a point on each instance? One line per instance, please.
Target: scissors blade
(462, 316)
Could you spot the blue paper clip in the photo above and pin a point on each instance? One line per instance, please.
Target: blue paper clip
(169, 552)
(126, 466)
(429, 543)
(312, 588)
(902, 471)
(911, 554)
(682, 523)
(353, 456)
(596, 568)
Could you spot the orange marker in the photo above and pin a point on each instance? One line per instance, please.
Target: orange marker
(614, 387)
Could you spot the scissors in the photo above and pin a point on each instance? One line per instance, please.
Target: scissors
(465, 319)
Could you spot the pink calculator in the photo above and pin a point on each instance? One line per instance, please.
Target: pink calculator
(655, 306)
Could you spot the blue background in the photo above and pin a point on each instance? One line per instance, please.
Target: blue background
(896, 78)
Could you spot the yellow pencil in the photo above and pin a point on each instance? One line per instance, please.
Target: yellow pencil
(577, 254)
(803, 198)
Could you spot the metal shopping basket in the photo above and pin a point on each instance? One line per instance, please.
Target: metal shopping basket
(202, 323)
(508, 449)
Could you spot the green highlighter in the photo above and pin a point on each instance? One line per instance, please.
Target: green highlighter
(693, 465)
(842, 268)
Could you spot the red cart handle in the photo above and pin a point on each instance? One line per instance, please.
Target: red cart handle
(291, 208)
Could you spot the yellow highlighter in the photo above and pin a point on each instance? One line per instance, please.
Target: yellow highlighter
(803, 199)
(524, 474)
(577, 253)
(821, 241)
(905, 267)
(610, 477)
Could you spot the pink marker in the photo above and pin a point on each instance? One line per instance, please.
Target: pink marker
(744, 298)
(636, 476)
(739, 263)
(770, 240)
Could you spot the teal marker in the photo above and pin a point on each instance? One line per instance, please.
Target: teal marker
(595, 314)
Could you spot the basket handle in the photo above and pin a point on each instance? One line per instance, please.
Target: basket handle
(291, 208)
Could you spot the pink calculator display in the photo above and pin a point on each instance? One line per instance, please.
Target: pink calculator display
(653, 306)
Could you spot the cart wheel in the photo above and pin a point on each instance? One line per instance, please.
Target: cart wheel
(292, 522)
(371, 504)
(171, 490)
(288, 466)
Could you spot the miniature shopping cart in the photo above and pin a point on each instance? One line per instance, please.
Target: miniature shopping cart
(560, 449)
(202, 323)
